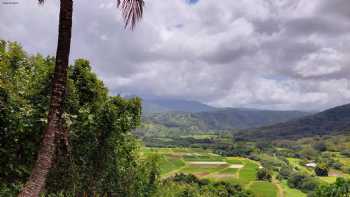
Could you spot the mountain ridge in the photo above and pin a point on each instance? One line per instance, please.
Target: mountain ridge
(335, 120)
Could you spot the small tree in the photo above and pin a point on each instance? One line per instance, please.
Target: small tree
(264, 175)
(321, 169)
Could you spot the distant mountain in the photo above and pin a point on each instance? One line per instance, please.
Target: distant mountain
(224, 119)
(240, 118)
(172, 105)
(333, 121)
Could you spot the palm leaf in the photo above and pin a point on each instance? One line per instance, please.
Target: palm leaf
(132, 11)
(41, 1)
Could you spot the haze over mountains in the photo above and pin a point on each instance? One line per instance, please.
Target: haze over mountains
(195, 116)
(173, 105)
(191, 116)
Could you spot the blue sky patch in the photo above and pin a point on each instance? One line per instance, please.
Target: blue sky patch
(192, 1)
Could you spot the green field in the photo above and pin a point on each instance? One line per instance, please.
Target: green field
(263, 189)
(206, 165)
(289, 192)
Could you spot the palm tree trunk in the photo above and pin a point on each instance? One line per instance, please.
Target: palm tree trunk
(46, 154)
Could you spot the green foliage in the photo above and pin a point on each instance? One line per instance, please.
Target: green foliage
(189, 185)
(321, 169)
(263, 175)
(303, 182)
(96, 154)
(264, 189)
(24, 86)
(341, 188)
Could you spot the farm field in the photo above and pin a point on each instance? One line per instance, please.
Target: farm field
(206, 165)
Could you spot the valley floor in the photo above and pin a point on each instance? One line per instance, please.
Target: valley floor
(206, 165)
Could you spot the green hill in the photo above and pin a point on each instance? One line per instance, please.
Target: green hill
(175, 123)
(333, 121)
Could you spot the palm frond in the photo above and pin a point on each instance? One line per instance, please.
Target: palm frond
(132, 11)
(41, 1)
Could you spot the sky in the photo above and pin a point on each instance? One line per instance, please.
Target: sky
(268, 54)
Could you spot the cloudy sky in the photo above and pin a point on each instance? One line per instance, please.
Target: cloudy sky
(271, 54)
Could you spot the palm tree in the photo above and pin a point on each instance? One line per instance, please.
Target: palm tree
(132, 11)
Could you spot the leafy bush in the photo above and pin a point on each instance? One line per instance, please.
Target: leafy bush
(321, 169)
(340, 188)
(263, 175)
(302, 182)
(189, 185)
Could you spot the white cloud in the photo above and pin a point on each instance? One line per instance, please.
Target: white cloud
(323, 62)
(268, 54)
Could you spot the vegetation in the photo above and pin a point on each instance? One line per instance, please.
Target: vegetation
(100, 155)
(340, 188)
(264, 175)
(96, 154)
(334, 121)
(264, 189)
(321, 170)
(189, 185)
(132, 12)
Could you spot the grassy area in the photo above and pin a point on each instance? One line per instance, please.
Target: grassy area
(296, 164)
(248, 172)
(289, 192)
(233, 160)
(168, 164)
(263, 189)
(232, 169)
(328, 179)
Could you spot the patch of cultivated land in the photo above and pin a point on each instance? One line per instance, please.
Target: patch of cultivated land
(263, 189)
(205, 164)
(289, 192)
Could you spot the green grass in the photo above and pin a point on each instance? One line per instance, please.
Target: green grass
(328, 179)
(202, 158)
(233, 160)
(289, 192)
(263, 189)
(169, 164)
(229, 171)
(200, 170)
(248, 172)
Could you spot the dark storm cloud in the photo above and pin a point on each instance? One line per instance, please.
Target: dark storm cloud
(269, 54)
(317, 25)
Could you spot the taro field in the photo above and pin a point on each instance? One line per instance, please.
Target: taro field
(207, 165)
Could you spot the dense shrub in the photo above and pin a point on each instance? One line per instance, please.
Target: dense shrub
(321, 169)
(341, 188)
(302, 182)
(263, 175)
(188, 185)
(96, 154)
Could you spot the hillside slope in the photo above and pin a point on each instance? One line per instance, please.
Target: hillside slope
(226, 119)
(333, 121)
